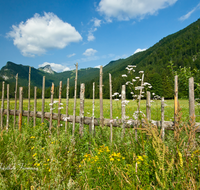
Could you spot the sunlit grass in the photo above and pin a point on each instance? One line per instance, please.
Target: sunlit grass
(130, 108)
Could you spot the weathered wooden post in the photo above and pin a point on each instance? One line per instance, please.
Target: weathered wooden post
(175, 99)
(67, 105)
(35, 106)
(191, 99)
(162, 118)
(74, 110)
(29, 92)
(111, 113)
(20, 107)
(8, 108)
(51, 108)
(82, 97)
(59, 106)
(93, 102)
(2, 104)
(43, 99)
(101, 96)
(148, 106)
(123, 104)
(15, 100)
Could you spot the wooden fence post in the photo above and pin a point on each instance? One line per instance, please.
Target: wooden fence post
(35, 106)
(67, 105)
(8, 108)
(74, 110)
(29, 92)
(191, 99)
(162, 118)
(111, 113)
(148, 106)
(81, 122)
(51, 107)
(123, 104)
(59, 106)
(93, 128)
(43, 99)
(20, 107)
(2, 105)
(101, 96)
(15, 100)
(175, 99)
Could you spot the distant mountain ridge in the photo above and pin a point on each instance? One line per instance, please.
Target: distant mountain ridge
(47, 69)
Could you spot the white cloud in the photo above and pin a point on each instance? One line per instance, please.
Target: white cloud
(128, 9)
(98, 66)
(71, 55)
(139, 50)
(40, 33)
(55, 67)
(97, 22)
(186, 16)
(89, 52)
(91, 37)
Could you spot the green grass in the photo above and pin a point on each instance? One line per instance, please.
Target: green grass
(36, 159)
(130, 108)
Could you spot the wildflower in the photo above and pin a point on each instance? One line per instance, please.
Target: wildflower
(124, 75)
(99, 168)
(118, 160)
(141, 71)
(55, 101)
(149, 86)
(137, 77)
(60, 108)
(32, 137)
(43, 148)
(47, 160)
(38, 164)
(123, 158)
(49, 170)
(34, 154)
(111, 159)
(51, 104)
(181, 159)
(116, 93)
(32, 148)
(79, 166)
(133, 80)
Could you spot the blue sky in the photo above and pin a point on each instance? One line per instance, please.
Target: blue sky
(92, 33)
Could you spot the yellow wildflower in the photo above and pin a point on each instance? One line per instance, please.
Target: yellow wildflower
(99, 168)
(38, 164)
(42, 148)
(32, 148)
(34, 154)
(111, 159)
(32, 137)
(79, 166)
(181, 158)
(47, 160)
(49, 170)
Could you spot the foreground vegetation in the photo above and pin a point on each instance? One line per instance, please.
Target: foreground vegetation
(37, 159)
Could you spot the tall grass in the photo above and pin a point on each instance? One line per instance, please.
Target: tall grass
(36, 159)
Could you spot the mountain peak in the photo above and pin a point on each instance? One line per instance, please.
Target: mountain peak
(47, 69)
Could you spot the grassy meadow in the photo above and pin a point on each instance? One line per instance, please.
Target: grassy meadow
(37, 159)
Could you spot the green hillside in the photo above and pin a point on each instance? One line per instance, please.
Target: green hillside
(182, 48)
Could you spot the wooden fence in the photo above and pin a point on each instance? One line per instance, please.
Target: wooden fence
(91, 121)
